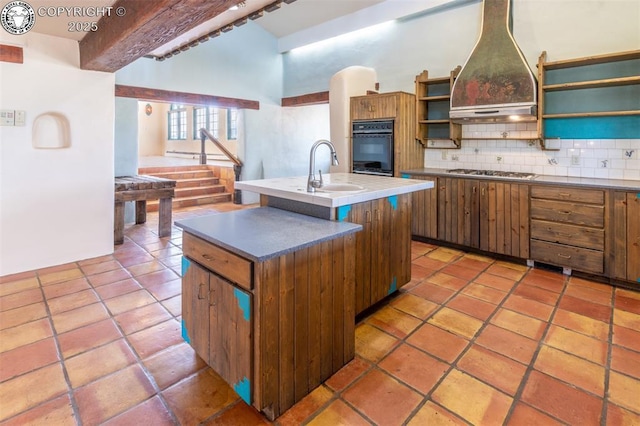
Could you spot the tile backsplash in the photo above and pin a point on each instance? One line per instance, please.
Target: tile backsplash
(595, 158)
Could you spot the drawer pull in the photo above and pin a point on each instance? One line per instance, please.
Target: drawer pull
(207, 257)
(564, 256)
(564, 212)
(565, 194)
(201, 292)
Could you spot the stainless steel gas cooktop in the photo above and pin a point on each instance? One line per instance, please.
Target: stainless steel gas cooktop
(493, 173)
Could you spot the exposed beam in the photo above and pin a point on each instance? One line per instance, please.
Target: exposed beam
(147, 94)
(11, 54)
(145, 26)
(308, 99)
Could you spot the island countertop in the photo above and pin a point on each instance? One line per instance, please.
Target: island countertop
(295, 188)
(262, 233)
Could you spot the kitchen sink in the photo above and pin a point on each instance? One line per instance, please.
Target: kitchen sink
(493, 173)
(340, 187)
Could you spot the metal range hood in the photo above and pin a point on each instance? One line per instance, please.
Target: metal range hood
(496, 83)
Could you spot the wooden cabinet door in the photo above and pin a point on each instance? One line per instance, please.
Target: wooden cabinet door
(504, 218)
(361, 213)
(230, 348)
(625, 262)
(372, 107)
(195, 307)
(458, 211)
(424, 221)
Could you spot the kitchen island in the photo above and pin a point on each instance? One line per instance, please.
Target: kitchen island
(382, 205)
(267, 301)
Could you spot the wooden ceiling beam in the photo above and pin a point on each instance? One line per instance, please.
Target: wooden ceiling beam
(158, 95)
(144, 26)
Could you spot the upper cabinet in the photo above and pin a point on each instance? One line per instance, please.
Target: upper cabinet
(595, 97)
(433, 127)
(399, 107)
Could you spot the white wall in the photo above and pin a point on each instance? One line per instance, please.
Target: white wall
(56, 205)
(152, 129)
(441, 40)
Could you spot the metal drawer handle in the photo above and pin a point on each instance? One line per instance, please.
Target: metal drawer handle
(207, 257)
(564, 256)
(201, 293)
(564, 211)
(565, 194)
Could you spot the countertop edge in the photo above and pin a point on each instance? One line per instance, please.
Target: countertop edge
(338, 199)
(345, 228)
(605, 183)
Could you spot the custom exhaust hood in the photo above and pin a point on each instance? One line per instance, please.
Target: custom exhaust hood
(496, 83)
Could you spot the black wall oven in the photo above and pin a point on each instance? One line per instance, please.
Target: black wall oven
(372, 147)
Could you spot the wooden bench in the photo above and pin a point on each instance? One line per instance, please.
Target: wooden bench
(141, 188)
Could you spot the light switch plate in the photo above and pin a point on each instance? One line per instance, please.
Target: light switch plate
(20, 118)
(7, 117)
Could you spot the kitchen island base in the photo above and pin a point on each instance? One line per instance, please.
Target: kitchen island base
(274, 328)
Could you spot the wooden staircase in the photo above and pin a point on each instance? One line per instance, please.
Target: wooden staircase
(195, 185)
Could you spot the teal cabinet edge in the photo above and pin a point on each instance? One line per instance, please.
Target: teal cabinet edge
(186, 263)
(343, 212)
(244, 303)
(394, 285)
(185, 333)
(615, 127)
(243, 389)
(393, 200)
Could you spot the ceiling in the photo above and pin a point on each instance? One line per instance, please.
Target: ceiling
(287, 20)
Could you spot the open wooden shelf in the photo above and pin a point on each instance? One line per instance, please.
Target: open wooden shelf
(592, 60)
(593, 103)
(432, 111)
(592, 84)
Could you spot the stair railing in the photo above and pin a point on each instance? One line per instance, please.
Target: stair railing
(237, 164)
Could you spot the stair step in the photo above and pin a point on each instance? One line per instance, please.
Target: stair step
(199, 190)
(198, 200)
(197, 182)
(185, 174)
(159, 169)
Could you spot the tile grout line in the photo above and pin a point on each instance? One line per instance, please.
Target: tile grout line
(607, 370)
(70, 390)
(525, 378)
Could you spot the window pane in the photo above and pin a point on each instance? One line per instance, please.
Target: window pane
(183, 124)
(214, 126)
(199, 121)
(232, 124)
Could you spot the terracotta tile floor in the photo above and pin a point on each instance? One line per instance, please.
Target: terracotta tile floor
(470, 340)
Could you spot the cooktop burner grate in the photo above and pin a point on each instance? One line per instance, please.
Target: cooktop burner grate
(493, 173)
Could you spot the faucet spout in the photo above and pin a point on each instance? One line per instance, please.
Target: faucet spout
(312, 182)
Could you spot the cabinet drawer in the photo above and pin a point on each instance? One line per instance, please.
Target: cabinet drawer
(567, 212)
(591, 196)
(581, 259)
(572, 235)
(220, 261)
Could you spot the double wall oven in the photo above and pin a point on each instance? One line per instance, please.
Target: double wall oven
(372, 147)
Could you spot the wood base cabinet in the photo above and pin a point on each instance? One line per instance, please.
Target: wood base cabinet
(274, 330)
(488, 215)
(625, 258)
(568, 227)
(383, 247)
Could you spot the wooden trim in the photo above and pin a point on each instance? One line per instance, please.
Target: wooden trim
(308, 99)
(11, 54)
(141, 27)
(147, 94)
